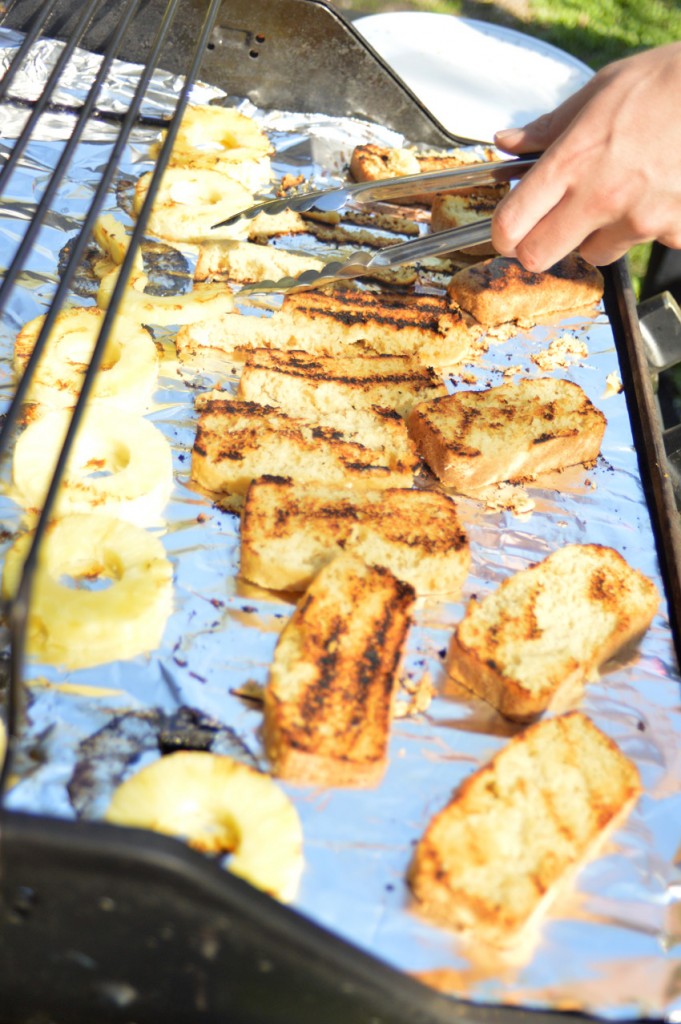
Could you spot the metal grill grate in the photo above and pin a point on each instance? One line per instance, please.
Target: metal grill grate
(39, 25)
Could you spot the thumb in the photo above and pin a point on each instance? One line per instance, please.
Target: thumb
(537, 135)
(533, 137)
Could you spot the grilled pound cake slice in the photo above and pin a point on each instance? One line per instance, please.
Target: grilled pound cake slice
(328, 702)
(338, 383)
(237, 441)
(295, 392)
(290, 531)
(466, 206)
(517, 831)
(247, 261)
(500, 290)
(426, 327)
(550, 627)
(511, 432)
(371, 162)
(343, 321)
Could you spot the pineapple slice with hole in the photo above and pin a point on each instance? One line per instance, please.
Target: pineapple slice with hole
(128, 374)
(189, 203)
(204, 303)
(218, 805)
(103, 591)
(225, 140)
(119, 466)
(232, 135)
(112, 238)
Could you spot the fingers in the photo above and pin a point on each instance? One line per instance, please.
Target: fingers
(517, 222)
(608, 177)
(573, 224)
(537, 135)
(532, 137)
(614, 240)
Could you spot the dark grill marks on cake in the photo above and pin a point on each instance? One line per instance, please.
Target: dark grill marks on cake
(329, 698)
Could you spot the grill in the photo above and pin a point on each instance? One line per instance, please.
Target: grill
(79, 897)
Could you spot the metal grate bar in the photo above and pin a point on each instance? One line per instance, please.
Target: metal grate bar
(51, 84)
(56, 179)
(29, 39)
(18, 611)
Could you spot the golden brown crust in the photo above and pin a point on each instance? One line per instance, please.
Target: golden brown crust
(343, 321)
(328, 703)
(512, 432)
(423, 326)
(289, 532)
(371, 162)
(500, 290)
(550, 626)
(518, 829)
(466, 206)
(237, 441)
(339, 383)
(295, 384)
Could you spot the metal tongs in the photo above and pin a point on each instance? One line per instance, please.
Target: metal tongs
(361, 262)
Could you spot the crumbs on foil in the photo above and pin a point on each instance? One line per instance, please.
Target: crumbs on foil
(419, 695)
(562, 352)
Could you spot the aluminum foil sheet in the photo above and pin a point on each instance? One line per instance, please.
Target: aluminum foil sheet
(611, 946)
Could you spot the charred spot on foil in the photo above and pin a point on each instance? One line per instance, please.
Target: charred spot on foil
(125, 192)
(85, 283)
(167, 269)
(120, 747)
(187, 729)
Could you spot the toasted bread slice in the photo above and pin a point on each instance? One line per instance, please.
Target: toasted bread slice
(515, 834)
(237, 441)
(371, 162)
(289, 531)
(550, 627)
(468, 205)
(500, 290)
(328, 703)
(337, 383)
(342, 322)
(246, 261)
(267, 379)
(426, 327)
(512, 432)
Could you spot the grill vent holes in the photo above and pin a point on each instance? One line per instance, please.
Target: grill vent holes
(223, 36)
(254, 53)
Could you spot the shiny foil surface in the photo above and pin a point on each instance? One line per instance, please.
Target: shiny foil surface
(610, 946)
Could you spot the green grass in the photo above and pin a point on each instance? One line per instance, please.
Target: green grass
(596, 31)
(599, 31)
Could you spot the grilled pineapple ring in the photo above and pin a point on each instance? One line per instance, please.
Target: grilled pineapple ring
(190, 202)
(222, 132)
(112, 238)
(120, 466)
(222, 139)
(218, 804)
(129, 370)
(76, 627)
(204, 302)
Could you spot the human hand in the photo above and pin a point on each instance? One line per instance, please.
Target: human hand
(610, 172)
